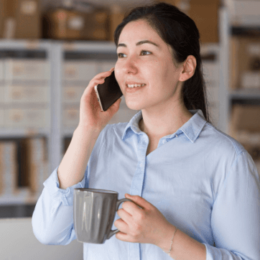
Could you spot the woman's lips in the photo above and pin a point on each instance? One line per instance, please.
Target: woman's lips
(134, 89)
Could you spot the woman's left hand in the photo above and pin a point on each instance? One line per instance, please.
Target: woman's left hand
(141, 225)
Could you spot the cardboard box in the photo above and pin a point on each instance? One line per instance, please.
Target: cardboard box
(245, 118)
(27, 117)
(72, 94)
(30, 94)
(20, 19)
(64, 24)
(244, 12)
(35, 163)
(27, 70)
(96, 26)
(70, 116)
(245, 62)
(205, 15)
(8, 169)
(114, 20)
(79, 70)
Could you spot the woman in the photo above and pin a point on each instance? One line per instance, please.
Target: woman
(198, 188)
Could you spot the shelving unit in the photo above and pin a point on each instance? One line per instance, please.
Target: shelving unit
(61, 54)
(237, 20)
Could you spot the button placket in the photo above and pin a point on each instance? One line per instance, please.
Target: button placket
(136, 189)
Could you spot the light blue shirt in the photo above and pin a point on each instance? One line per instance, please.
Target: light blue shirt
(203, 181)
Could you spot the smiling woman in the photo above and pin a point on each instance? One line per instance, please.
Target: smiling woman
(194, 192)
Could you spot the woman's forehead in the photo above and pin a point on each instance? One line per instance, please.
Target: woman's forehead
(139, 30)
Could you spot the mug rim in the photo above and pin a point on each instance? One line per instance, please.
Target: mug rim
(93, 190)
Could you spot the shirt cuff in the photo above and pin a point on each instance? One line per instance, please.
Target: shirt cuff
(52, 185)
(213, 253)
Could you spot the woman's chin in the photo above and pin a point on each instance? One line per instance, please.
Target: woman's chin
(133, 106)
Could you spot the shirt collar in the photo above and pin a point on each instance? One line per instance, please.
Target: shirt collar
(192, 128)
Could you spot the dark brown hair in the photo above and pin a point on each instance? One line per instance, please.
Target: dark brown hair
(181, 33)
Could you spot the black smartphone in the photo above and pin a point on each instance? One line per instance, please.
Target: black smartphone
(108, 92)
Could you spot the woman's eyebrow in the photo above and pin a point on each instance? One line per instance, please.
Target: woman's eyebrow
(138, 43)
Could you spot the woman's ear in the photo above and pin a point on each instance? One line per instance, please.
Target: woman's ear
(188, 68)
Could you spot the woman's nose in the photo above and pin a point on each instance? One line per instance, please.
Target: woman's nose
(130, 65)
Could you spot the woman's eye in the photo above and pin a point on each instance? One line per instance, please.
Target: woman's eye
(145, 52)
(120, 55)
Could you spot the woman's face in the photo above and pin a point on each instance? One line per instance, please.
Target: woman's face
(145, 69)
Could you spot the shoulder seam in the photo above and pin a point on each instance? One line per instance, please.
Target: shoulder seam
(236, 148)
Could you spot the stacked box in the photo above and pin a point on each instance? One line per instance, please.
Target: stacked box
(245, 62)
(116, 16)
(20, 19)
(35, 169)
(26, 93)
(205, 15)
(70, 115)
(27, 70)
(75, 71)
(244, 12)
(69, 24)
(8, 168)
(32, 117)
(245, 127)
(76, 77)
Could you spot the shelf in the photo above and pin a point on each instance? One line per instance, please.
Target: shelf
(245, 94)
(22, 197)
(12, 133)
(24, 44)
(209, 48)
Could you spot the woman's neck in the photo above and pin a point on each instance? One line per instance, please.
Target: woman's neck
(157, 125)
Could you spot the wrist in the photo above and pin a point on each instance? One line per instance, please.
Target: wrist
(168, 239)
(86, 130)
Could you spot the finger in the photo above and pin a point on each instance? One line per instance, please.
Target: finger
(124, 237)
(92, 84)
(139, 201)
(103, 75)
(125, 216)
(121, 225)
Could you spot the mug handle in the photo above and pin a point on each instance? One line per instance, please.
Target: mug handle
(113, 232)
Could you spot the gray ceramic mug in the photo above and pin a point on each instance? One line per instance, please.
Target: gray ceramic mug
(94, 212)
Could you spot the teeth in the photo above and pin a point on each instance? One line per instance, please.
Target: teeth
(135, 85)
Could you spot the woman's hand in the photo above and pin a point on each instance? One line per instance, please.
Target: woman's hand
(91, 115)
(141, 225)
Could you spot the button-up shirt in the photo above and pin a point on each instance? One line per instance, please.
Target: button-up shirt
(203, 181)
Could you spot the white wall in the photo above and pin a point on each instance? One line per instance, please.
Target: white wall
(17, 242)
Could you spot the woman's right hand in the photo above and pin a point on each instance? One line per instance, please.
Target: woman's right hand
(91, 115)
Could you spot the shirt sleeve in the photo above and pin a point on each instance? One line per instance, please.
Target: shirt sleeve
(52, 219)
(235, 216)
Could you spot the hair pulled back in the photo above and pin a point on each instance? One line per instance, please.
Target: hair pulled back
(181, 33)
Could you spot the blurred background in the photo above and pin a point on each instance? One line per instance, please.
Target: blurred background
(49, 50)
